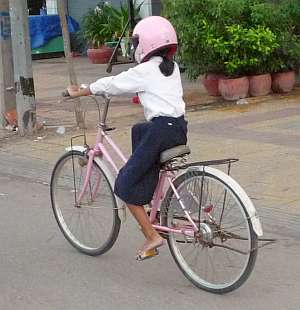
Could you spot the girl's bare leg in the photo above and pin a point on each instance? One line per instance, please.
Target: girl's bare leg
(153, 239)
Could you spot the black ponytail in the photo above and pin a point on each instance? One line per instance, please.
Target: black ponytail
(167, 66)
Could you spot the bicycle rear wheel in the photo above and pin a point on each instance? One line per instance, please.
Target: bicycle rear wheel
(221, 257)
(91, 225)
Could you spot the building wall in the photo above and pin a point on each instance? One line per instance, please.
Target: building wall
(34, 6)
(150, 7)
(146, 9)
(51, 6)
(156, 7)
(77, 8)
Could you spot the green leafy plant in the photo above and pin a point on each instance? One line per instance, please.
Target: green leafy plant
(119, 17)
(189, 17)
(282, 17)
(243, 50)
(195, 21)
(106, 23)
(118, 20)
(96, 27)
(236, 36)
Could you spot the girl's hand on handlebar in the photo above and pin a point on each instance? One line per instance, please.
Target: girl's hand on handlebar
(74, 91)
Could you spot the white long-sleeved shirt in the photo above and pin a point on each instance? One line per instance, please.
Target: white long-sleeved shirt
(160, 95)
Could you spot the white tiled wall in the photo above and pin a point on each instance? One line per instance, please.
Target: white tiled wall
(146, 9)
(51, 7)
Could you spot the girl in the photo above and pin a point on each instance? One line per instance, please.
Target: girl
(156, 80)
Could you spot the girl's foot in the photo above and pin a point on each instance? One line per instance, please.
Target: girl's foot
(150, 249)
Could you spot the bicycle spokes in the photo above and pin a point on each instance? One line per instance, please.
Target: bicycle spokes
(91, 224)
(223, 248)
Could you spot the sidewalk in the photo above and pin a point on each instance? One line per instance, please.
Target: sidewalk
(264, 134)
(50, 78)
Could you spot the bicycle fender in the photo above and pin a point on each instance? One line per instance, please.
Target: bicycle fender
(254, 218)
(78, 148)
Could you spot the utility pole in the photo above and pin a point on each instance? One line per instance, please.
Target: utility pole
(67, 49)
(24, 86)
(7, 94)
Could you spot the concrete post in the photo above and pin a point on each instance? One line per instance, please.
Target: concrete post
(7, 94)
(67, 49)
(25, 95)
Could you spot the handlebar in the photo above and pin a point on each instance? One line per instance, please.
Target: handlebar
(66, 96)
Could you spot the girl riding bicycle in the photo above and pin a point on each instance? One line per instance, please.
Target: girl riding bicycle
(156, 79)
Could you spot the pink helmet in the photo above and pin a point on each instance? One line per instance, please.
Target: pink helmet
(152, 34)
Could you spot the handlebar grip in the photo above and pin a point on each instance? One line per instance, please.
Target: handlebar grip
(65, 93)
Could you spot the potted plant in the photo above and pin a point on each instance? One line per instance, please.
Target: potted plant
(211, 83)
(285, 60)
(243, 50)
(282, 17)
(283, 81)
(263, 42)
(218, 40)
(190, 22)
(96, 30)
(118, 20)
(243, 39)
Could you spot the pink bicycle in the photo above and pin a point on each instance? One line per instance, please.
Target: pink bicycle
(210, 223)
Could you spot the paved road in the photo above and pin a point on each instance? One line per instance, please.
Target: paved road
(39, 270)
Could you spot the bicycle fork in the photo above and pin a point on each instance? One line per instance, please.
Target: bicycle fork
(87, 177)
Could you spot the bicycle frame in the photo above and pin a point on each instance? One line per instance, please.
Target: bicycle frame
(165, 176)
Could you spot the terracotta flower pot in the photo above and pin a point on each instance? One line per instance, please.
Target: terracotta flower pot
(260, 85)
(283, 82)
(99, 55)
(234, 89)
(211, 83)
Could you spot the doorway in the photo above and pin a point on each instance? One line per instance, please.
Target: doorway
(34, 6)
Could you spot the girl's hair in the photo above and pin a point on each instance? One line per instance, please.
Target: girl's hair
(167, 65)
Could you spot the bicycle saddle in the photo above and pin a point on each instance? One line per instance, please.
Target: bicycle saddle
(177, 151)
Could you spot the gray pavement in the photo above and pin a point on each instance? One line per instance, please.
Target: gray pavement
(38, 268)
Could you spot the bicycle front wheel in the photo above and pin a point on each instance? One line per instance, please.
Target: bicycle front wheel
(220, 257)
(90, 223)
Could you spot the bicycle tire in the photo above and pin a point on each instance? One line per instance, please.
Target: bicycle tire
(174, 242)
(97, 246)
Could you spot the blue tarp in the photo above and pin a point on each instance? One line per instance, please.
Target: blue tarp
(44, 28)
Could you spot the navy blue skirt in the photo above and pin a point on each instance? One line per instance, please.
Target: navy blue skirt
(137, 180)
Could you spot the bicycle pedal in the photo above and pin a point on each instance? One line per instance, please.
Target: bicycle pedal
(148, 254)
